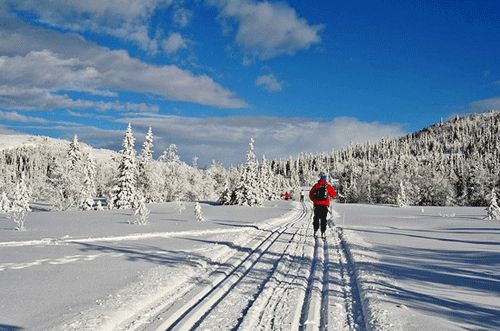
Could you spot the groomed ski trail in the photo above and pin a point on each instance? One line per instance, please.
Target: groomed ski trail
(287, 281)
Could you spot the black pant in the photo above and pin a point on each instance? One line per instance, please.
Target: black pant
(320, 213)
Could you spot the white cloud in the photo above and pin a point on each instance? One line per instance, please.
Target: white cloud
(268, 29)
(16, 117)
(227, 138)
(182, 17)
(269, 83)
(486, 104)
(41, 61)
(125, 19)
(173, 43)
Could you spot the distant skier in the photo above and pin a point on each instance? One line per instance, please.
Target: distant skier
(301, 196)
(320, 194)
(286, 196)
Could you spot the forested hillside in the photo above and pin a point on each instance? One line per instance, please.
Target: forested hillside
(452, 163)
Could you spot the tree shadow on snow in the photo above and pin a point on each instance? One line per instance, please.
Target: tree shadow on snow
(151, 254)
(494, 243)
(5, 327)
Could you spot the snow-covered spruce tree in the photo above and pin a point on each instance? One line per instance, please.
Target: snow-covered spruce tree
(198, 214)
(267, 180)
(4, 203)
(401, 199)
(75, 154)
(142, 213)
(89, 187)
(226, 196)
(20, 205)
(248, 191)
(148, 181)
(493, 211)
(124, 192)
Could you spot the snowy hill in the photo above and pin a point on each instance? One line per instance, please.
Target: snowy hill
(13, 141)
(452, 163)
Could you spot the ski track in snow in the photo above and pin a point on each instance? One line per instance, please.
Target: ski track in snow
(282, 280)
(130, 237)
(277, 277)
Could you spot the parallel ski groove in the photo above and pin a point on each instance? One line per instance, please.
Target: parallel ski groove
(255, 254)
(266, 280)
(351, 292)
(277, 294)
(325, 290)
(314, 284)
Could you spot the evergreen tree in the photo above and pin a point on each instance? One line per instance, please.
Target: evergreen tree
(147, 177)
(124, 193)
(89, 187)
(198, 214)
(75, 154)
(142, 213)
(493, 211)
(20, 204)
(248, 191)
(170, 155)
(401, 199)
(4, 203)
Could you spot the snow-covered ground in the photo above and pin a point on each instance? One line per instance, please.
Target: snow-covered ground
(381, 268)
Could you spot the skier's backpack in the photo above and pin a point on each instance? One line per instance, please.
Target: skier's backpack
(321, 193)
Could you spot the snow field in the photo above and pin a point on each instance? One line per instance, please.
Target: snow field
(142, 304)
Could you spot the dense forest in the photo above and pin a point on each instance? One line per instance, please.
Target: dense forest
(456, 162)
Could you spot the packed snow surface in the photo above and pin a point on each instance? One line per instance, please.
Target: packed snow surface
(252, 268)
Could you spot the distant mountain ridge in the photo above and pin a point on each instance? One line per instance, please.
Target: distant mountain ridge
(456, 162)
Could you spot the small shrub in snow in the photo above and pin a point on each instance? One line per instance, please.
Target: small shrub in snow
(198, 213)
(99, 205)
(180, 206)
(18, 217)
(493, 211)
(142, 213)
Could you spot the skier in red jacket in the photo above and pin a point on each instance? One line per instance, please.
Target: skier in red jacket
(320, 194)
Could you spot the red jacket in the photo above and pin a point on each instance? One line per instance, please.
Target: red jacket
(329, 188)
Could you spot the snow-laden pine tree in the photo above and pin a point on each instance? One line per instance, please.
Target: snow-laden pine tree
(493, 211)
(142, 213)
(4, 203)
(198, 214)
(248, 191)
(170, 155)
(401, 199)
(89, 187)
(148, 181)
(226, 195)
(75, 154)
(20, 204)
(124, 192)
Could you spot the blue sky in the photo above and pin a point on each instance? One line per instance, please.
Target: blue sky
(209, 74)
